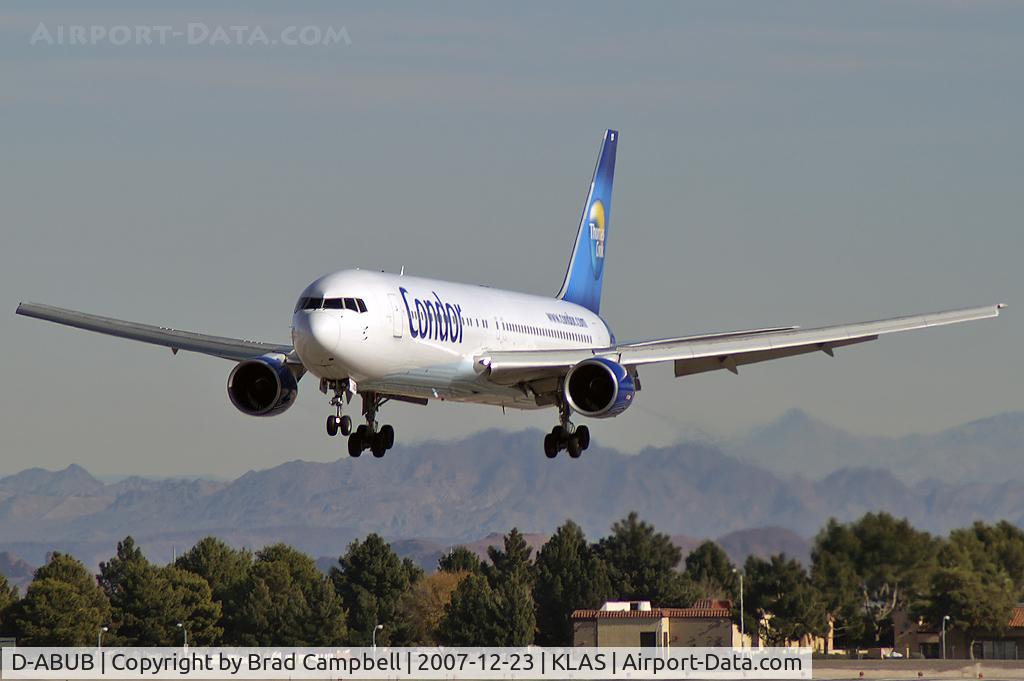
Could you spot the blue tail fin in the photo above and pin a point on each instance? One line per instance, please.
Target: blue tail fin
(583, 279)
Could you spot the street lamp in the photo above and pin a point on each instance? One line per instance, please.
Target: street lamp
(99, 638)
(743, 633)
(374, 636)
(184, 633)
(945, 618)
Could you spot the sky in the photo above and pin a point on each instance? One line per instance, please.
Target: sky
(780, 163)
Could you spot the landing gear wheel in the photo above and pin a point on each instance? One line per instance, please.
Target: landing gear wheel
(345, 425)
(550, 446)
(387, 434)
(377, 445)
(332, 425)
(355, 445)
(583, 435)
(573, 446)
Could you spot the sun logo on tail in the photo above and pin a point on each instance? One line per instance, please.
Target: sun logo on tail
(597, 234)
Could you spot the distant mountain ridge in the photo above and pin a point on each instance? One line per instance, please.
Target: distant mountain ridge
(443, 493)
(987, 450)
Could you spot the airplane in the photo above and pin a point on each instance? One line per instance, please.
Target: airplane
(391, 337)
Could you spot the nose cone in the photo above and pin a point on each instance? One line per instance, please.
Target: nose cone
(316, 335)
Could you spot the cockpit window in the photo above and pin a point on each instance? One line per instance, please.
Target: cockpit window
(354, 304)
(309, 304)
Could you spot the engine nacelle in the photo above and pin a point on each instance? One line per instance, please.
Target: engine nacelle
(264, 386)
(599, 388)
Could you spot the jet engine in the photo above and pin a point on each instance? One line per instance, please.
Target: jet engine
(599, 388)
(263, 386)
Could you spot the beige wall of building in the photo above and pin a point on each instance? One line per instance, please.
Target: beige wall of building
(708, 626)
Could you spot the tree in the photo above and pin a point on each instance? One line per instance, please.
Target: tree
(495, 608)
(286, 601)
(459, 559)
(570, 576)
(711, 572)
(423, 605)
(371, 580)
(641, 564)
(223, 567)
(148, 602)
(468, 618)
(512, 560)
(996, 547)
(868, 569)
(972, 584)
(193, 605)
(62, 607)
(787, 606)
(8, 597)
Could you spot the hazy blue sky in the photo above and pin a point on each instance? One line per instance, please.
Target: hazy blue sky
(780, 163)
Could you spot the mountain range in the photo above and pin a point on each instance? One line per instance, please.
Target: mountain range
(428, 497)
(988, 450)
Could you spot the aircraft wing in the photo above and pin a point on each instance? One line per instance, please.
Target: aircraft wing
(729, 351)
(217, 346)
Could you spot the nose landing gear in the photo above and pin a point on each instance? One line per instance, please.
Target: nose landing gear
(573, 439)
(338, 422)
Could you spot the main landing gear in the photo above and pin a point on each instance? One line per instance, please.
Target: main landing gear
(367, 436)
(573, 439)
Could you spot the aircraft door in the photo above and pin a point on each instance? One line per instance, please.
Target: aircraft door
(397, 323)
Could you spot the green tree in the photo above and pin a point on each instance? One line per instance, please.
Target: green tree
(286, 601)
(8, 597)
(62, 607)
(469, 618)
(995, 547)
(149, 602)
(459, 559)
(972, 585)
(711, 572)
(784, 604)
(512, 560)
(371, 580)
(642, 564)
(223, 567)
(570, 576)
(193, 605)
(496, 608)
(868, 569)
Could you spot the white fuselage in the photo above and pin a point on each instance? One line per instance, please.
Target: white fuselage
(417, 337)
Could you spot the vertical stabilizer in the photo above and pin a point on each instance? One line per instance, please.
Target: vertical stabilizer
(583, 279)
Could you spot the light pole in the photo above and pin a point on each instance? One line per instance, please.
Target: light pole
(99, 638)
(945, 618)
(374, 636)
(743, 633)
(184, 633)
